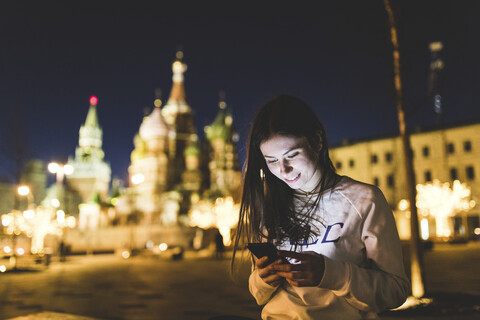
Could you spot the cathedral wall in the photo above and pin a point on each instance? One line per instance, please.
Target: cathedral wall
(127, 237)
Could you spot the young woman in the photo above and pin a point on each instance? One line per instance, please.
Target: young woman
(338, 235)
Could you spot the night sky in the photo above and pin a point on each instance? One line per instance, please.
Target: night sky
(335, 55)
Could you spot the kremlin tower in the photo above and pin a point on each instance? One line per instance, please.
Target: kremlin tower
(91, 175)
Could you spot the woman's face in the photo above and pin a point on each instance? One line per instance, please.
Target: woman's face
(288, 159)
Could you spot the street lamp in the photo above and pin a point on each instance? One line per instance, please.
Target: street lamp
(25, 191)
(60, 170)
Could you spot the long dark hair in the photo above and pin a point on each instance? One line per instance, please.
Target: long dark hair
(267, 210)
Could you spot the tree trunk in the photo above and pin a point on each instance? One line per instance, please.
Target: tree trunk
(416, 261)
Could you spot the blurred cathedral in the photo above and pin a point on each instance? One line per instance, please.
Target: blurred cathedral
(174, 174)
(172, 169)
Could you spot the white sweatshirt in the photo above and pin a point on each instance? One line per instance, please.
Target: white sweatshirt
(364, 271)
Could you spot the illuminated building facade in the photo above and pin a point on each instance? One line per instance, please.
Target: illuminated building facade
(445, 154)
(35, 177)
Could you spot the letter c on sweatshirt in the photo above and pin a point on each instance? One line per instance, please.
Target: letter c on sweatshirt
(329, 228)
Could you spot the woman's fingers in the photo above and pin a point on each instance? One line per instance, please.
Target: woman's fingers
(262, 262)
(273, 279)
(308, 272)
(290, 267)
(269, 275)
(296, 273)
(267, 271)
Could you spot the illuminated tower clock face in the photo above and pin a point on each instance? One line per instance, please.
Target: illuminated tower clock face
(86, 155)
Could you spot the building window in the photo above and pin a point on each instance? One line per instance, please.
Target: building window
(453, 174)
(374, 158)
(470, 173)
(426, 151)
(390, 181)
(388, 157)
(428, 176)
(338, 165)
(450, 148)
(467, 146)
(376, 181)
(351, 163)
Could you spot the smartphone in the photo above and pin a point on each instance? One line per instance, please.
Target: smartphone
(263, 249)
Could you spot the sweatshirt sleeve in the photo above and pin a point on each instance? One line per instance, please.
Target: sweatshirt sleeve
(260, 290)
(380, 283)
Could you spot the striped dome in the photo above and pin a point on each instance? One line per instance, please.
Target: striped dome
(153, 126)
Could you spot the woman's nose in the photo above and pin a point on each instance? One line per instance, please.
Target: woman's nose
(285, 167)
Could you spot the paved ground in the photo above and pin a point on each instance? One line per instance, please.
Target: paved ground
(452, 281)
(108, 287)
(49, 315)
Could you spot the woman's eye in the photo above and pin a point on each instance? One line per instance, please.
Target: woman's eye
(291, 156)
(271, 161)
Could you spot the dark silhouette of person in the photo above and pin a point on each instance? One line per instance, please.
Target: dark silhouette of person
(220, 248)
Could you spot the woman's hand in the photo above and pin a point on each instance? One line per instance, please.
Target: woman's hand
(267, 273)
(307, 273)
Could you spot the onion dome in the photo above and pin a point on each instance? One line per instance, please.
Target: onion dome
(154, 126)
(221, 128)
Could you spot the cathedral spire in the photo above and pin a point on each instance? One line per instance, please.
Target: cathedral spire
(176, 104)
(92, 119)
(177, 94)
(90, 133)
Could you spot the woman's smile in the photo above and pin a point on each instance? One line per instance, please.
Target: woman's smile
(294, 179)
